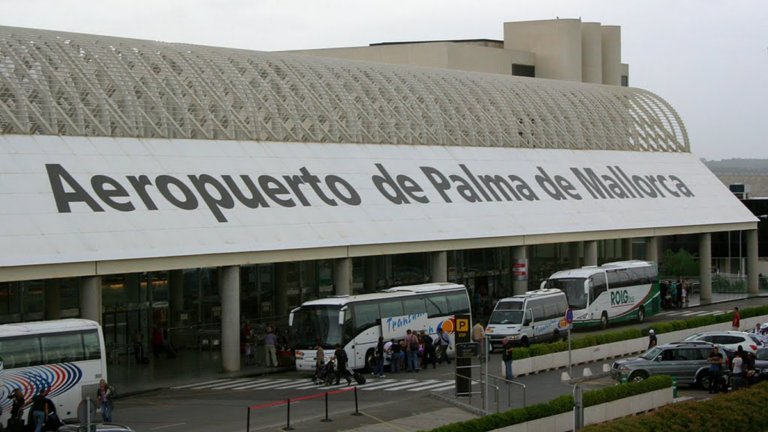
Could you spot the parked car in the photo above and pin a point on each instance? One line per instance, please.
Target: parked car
(95, 427)
(731, 340)
(687, 361)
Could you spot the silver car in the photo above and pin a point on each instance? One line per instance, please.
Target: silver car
(687, 361)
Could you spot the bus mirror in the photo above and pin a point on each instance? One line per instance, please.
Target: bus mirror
(341, 318)
(543, 284)
(290, 319)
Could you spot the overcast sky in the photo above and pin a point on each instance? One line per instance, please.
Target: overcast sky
(709, 59)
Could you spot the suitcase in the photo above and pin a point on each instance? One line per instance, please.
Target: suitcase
(15, 425)
(359, 378)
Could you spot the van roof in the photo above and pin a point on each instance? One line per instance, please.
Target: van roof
(533, 294)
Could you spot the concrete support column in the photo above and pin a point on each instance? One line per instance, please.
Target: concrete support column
(574, 255)
(609, 250)
(652, 249)
(176, 288)
(520, 281)
(52, 299)
(230, 318)
(590, 253)
(626, 249)
(281, 290)
(90, 298)
(753, 282)
(440, 266)
(705, 266)
(369, 278)
(342, 276)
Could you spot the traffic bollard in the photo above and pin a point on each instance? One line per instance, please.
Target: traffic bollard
(288, 422)
(357, 411)
(674, 387)
(326, 419)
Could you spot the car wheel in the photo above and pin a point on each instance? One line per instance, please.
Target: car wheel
(604, 321)
(638, 376)
(641, 314)
(524, 342)
(703, 381)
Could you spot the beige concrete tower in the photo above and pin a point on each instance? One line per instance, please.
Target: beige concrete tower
(611, 36)
(591, 53)
(556, 43)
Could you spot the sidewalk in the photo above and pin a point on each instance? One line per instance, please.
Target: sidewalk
(424, 421)
(189, 367)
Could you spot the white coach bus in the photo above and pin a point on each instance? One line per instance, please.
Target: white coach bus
(64, 356)
(356, 322)
(617, 291)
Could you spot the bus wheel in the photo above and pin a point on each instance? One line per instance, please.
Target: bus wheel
(641, 314)
(604, 321)
(524, 342)
(368, 361)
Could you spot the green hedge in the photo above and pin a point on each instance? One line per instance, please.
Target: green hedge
(594, 340)
(556, 406)
(740, 411)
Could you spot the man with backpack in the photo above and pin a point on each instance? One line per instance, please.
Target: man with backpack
(341, 365)
(412, 351)
(105, 396)
(429, 350)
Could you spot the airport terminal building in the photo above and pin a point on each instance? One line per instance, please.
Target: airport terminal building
(191, 187)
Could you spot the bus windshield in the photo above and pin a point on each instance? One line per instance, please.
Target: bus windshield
(573, 289)
(317, 324)
(506, 317)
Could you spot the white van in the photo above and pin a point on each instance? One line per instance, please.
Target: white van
(535, 316)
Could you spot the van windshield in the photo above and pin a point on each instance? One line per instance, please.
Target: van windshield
(506, 317)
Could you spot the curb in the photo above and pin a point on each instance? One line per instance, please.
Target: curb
(468, 408)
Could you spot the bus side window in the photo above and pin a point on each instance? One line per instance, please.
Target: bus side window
(63, 348)
(458, 303)
(597, 285)
(391, 308)
(562, 305)
(366, 316)
(92, 348)
(413, 306)
(437, 305)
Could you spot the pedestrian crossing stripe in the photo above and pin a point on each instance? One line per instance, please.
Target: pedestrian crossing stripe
(253, 384)
(688, 313)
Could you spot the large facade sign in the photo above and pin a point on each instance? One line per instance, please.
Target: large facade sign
(70, 199)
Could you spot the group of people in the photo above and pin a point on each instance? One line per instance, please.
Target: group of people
(675, 294)
(741, 368)
(417, 351)
(275, 344)
(42, 410)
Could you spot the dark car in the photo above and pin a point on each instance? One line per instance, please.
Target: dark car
(95, 427)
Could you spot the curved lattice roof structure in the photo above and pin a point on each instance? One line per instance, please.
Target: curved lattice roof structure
(57, 83)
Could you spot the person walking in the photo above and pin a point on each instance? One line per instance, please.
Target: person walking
(507, 357)
(394, 362)
(341, 365)
(411, 351)
(379, 356)
(715, 361)
(652, 339)
(40, 410)
(270, 340)
(319, 362)
(429, 350)
(478, 335)
(445, 342)
(105, 395)
(736, 321)
(17, 409)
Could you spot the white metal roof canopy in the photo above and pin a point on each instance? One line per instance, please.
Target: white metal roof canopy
(59, 83)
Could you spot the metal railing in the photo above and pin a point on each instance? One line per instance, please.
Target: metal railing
(509, 389)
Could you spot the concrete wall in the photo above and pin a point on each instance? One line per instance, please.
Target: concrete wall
(556, 43)
(591, 53)
(421, 54)
(611, 38)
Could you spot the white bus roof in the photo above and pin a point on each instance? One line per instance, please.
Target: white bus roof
(37, 327)
(532, 294)
(588, 271)
(401, 291)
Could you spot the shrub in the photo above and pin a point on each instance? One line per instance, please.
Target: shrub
(556, 406)
(733, 412)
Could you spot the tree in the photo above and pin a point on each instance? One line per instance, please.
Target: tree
(681, 263)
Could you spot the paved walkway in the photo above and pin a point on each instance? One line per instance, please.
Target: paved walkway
(189, 366)
(423, 421)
